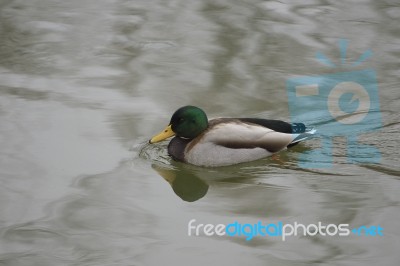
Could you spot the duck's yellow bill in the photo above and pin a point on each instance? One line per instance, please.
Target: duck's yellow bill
(166, 133)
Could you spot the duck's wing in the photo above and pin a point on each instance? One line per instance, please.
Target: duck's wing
(241, 134)
(299, 130)
(276, 125)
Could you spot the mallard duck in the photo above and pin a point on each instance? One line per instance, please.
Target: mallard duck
(226, 141)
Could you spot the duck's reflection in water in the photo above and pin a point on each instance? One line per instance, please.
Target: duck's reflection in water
(184, 183)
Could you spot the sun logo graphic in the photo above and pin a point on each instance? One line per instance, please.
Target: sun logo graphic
(339, 104)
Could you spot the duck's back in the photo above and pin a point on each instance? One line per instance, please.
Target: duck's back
(230, 141)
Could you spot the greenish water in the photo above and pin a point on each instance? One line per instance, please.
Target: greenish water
(84, 84)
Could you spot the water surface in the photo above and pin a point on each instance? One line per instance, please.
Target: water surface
(85, 84)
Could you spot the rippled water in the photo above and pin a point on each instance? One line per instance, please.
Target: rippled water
(84, 84)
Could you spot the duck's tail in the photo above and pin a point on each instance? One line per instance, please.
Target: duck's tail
(301, 132)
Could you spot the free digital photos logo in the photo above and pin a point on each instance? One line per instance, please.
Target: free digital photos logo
(279, 229)
(340, 104)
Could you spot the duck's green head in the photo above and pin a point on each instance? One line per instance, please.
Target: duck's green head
(187, 122)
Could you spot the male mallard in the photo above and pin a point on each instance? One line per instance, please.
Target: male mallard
(226, 141)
